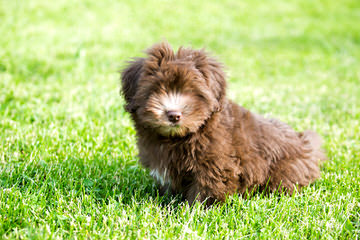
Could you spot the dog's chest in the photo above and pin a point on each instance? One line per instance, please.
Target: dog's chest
(171, 165)
(161, 176)
(168, 163)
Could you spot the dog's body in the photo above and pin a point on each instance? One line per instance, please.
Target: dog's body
(198, 143)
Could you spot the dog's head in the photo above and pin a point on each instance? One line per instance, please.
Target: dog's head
(173, 93)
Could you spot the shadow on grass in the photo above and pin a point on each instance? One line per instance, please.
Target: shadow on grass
(131, 184)
(100, 179)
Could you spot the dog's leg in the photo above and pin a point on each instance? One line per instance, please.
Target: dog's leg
(209, 185)
(195, 193)
(301, 170)
(165, 190)
(287, 174)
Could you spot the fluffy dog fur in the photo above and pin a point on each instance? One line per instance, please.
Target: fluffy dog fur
(211, 147)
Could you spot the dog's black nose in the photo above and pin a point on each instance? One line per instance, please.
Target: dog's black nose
(174, 116)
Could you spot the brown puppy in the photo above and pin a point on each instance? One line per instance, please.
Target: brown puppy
(197, 142)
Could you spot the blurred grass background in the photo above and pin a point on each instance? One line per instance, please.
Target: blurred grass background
(68, 165)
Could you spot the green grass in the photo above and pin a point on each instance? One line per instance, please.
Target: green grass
(68, 164)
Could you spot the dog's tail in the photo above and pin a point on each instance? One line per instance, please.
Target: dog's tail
(314, 141)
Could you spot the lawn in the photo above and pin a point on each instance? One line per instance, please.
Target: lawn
(68, 156)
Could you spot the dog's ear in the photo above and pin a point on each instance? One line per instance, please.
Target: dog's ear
(129, 81)
(158, 54)
(213, 72)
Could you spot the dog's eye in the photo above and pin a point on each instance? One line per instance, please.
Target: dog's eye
(162, 91)
(157, 88)
(202, 97)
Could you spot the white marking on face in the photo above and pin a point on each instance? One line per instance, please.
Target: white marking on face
(159, 104)
(173, 101)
